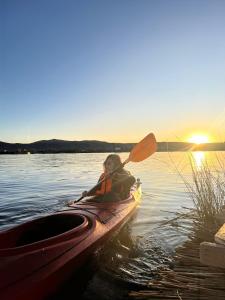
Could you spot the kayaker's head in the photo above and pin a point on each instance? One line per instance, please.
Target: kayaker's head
(112, 162)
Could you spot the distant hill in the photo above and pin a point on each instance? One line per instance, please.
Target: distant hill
(61, 146)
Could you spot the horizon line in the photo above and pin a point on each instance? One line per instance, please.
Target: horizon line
(94, 140)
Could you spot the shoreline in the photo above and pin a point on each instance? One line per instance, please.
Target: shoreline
(86, 152)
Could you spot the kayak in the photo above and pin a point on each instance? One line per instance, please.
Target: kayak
(37, 257)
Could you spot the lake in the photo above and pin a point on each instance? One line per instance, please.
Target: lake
(37, 184)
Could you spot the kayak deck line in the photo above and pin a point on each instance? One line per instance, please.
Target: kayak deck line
(95, 214)
(93, 207)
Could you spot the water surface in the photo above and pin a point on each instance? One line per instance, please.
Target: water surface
(34, 185)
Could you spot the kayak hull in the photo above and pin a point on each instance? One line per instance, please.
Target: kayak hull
(35, 263)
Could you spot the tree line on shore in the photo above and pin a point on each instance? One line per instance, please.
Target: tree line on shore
(61, 146)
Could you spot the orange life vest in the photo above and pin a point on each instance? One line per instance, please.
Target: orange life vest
(105, 187)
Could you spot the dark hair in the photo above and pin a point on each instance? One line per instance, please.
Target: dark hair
(115, 158)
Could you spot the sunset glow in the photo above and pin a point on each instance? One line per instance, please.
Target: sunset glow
(198, 139)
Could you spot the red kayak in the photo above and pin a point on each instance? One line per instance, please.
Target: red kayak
(37, 257)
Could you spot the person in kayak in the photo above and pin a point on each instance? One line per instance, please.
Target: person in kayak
(116, 187)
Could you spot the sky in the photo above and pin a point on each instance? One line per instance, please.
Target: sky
(112, 70)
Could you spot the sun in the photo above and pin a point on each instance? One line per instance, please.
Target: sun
(198, 139)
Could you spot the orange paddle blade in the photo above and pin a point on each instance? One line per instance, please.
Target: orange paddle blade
(143, 149)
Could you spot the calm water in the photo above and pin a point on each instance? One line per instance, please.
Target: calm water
(33, 185)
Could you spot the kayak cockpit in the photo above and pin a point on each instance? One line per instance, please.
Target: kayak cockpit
(54, 227)
(49, 227)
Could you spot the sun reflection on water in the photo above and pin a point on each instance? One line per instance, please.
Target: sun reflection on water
(198, 159)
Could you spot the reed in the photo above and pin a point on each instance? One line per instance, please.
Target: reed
(207, 191)
(206, 188)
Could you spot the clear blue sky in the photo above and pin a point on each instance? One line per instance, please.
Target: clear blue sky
(111, 70)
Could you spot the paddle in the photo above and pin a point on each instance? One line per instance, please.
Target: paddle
(146, 147)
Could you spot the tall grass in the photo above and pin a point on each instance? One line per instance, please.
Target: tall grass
(206, 188)
(207, 191)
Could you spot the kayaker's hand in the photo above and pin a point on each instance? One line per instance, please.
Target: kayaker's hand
(84, 194)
